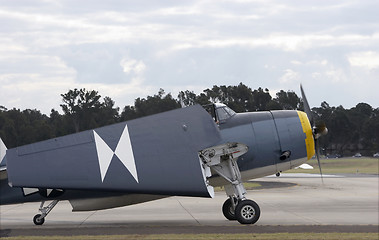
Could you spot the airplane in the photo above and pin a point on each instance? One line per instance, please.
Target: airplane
(183, 152)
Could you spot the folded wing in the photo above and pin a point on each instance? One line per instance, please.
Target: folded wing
(151, 155)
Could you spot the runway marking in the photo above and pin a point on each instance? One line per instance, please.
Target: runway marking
(304, 175)
(188, 211)
(87, 218)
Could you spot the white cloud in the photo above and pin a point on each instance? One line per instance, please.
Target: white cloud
(132, 65)
(273, 92)
(129, 50)
(316, 75)
(32, 91)
(282, 41)
(295, 62)
(289, 76)
(336, 75)
(368, 59)
(44, 93)
(312, 62)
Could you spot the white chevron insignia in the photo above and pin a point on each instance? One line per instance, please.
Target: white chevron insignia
(3, 150)
(124, 152)
(28, 191)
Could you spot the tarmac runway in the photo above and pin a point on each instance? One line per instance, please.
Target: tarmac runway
(290, 203)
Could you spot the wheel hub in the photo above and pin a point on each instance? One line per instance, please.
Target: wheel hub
(248, 212)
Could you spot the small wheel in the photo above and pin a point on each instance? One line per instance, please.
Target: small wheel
(38, 220)
(247, 212)
(228, 211)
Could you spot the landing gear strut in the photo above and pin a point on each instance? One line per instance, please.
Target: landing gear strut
(39, 219)
(222, 160)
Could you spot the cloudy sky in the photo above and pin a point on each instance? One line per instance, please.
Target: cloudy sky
(129, 49)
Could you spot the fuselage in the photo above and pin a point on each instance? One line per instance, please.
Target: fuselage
(269, 135)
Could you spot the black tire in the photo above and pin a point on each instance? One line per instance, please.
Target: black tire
(228, 211)
(247, 212)
(38, 220)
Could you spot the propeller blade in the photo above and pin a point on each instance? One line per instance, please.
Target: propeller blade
(319, 128)
(307, 109)
(318, 159)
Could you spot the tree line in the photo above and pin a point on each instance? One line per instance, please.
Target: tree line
(350, 130)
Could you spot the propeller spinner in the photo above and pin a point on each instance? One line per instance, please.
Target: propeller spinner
(318, 128)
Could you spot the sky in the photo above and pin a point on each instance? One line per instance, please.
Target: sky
(129, 49)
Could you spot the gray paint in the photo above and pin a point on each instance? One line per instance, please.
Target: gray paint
(94, 204)
(165, 153)
(291, 135)
(15, 195)
(267, 134)
(165, 148)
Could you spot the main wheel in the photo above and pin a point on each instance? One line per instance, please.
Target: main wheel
(38, 220)
(228, 211)
(247, 212)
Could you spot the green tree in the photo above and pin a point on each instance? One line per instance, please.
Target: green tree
(188, 98)
(261, 99)
(350, 130)
(108, 113)
(370, 131)
(340, 130)
(360, 117)
(218, 94)
(240, 98)
(287, 100)
(19, 128)
(81, 106)
(35, 127)
(128, 113)
(160, 102)
(61, 124)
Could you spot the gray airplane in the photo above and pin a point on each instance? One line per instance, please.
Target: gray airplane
(184, 152)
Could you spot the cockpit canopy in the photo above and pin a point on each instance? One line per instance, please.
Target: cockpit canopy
(220, 112)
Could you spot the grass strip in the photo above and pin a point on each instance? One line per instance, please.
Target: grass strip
(342, 166)
(272, 236)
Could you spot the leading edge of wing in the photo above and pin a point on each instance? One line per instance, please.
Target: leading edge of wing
(157, 154)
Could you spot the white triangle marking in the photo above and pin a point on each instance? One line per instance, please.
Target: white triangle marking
(3, 150)
(124, 152)
(28, 191)
(48, 191)
(104, 154)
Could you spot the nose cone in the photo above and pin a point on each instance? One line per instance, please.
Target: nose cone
(307, 129)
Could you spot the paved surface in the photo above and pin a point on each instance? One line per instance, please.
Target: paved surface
(342, 204)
